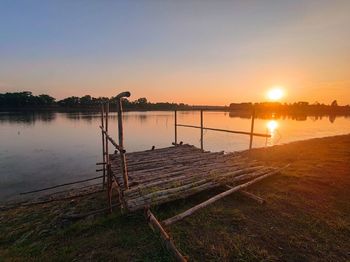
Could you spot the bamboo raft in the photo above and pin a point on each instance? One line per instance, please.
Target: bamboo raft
(167, 174)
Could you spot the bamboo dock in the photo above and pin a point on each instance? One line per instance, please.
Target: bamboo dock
(157, 176)
(153, 177)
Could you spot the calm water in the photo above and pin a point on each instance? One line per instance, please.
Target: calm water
(44, 149)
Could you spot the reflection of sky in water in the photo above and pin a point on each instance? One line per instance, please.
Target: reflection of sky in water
(43, 149)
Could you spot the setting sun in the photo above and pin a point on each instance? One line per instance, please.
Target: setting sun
(275, 93)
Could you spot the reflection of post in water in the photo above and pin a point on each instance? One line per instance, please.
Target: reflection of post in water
(252, 129)
(142, 118)
(332, 118)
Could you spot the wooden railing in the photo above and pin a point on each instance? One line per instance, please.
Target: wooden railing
(106, 138)
(202, 128)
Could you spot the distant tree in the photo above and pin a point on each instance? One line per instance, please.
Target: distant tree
(142, 101)
(125, 102)
(86, 100)
(46, 100)
(334, 103)
(72, 101)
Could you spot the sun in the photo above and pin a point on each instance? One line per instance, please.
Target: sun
(275, 93)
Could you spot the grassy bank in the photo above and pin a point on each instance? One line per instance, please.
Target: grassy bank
(306, 218)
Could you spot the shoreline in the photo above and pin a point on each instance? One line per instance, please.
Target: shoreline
(93, 187)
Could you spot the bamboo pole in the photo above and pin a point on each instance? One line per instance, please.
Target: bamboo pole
(187, 177)
(108, 137)
(227, 131)
(60, 185)
(156, 226)
(103, 148)
(186, 173)
(135, 204)
(260, 200)
(75, 189)
(193, 182)
(201, 129)
(121, 139)
(252, 129)
(109, 187)
(106, 129)
(192, 210)
(60, 199)
(175, 119)
(83, 215)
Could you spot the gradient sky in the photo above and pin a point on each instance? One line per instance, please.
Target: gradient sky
(197, 52)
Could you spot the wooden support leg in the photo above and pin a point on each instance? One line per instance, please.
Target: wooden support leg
(156, 226)
(109, 188)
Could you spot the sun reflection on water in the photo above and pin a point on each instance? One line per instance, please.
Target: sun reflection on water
(272, 125)
(271, 128)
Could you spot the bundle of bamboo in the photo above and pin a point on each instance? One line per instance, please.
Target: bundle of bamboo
(163, 175)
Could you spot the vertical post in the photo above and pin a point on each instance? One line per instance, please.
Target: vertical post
(175, 127)
(252, 129)
(202, 129)
(106, 139)
(121, 143)
(109, 187)
(106, 152)
(104, 163)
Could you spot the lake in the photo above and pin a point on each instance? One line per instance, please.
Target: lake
(48, 148)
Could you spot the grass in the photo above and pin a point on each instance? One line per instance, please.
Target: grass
(306, 218)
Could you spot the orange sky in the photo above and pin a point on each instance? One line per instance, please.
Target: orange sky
(207, 52)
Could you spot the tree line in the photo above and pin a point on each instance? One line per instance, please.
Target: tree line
(291, 108)
(26, 99)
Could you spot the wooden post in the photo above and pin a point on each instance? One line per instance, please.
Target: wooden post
(202, 129)
(106, 139)
(120, 124)
(107, 157)
(121, 138)
(103, 149)
(252, 129)
(109, 187)
(175, 127)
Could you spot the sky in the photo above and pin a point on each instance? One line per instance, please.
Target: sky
(196, 52)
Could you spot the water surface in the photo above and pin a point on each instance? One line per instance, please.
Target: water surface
(44, 149)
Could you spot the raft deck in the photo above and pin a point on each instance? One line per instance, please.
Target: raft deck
(167, 174)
